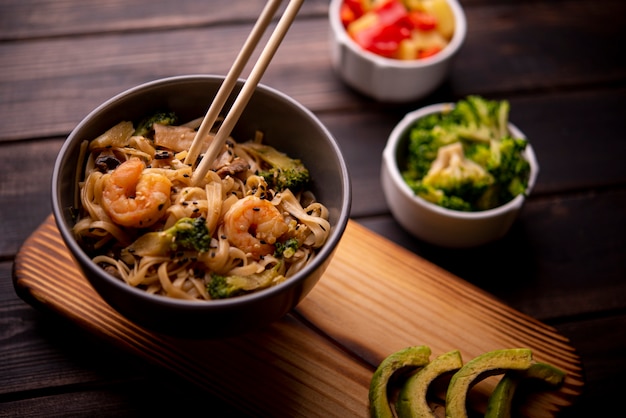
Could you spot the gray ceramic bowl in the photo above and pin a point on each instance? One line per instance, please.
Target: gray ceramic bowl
(287, 125)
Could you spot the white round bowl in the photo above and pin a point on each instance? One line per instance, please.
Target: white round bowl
(435, 224)
(390, 80)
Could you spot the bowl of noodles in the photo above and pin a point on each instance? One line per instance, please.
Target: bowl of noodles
(200, 257)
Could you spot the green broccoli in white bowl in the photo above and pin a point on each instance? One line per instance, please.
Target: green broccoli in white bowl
(457, 174)
(465, 158)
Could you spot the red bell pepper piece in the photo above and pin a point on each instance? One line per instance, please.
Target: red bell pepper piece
(405, 22)
(346, 15)
(356, 6)
(429, 52)
(390, 11)
(365, 35)
(423, 21)
(387, 40)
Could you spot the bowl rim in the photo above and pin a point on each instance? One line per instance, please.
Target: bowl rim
(396, 137)
(321, 256)
(342, 37)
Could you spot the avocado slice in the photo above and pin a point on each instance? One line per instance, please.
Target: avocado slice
(490, 363)
(412, 401)
(417, 356)
(500, 401)
(553, 376)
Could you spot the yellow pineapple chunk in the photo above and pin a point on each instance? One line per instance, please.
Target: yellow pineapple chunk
(428, 40)
(413, 5)
(368, 20)
(407, 50)
(445, 18)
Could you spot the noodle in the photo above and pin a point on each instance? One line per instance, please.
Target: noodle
(134, 193)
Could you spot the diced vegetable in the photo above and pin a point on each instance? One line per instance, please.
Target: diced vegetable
(117, 136)
(352, 10)
(443, 13)
(423, 21)
(176, 138)
(405, 30)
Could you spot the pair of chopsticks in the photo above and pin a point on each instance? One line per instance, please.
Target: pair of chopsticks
(247, 90)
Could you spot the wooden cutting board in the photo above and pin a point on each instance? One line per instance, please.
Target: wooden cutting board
(374, 299)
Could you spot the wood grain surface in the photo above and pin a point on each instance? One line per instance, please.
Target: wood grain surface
(560, 65)
(374, 299)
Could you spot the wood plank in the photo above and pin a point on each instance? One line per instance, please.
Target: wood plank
(31, 360)
(601, 341)
(500, 56)
(559, 275)
(362, 136)
(44, 358)
(75, 350)
(28, 19)
(60, 80)
(580, 99)
(25, 190)
(309, 373)
(57, 353)
(124, 399)
(387, 299)
(295, 359)
(554, 263)
(26, 199)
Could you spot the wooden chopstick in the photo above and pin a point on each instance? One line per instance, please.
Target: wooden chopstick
(231, 78)
(247, 90)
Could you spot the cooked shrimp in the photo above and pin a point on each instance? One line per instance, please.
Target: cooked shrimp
(133, 197)
(253, 225)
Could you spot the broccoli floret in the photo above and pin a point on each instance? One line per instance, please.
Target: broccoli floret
(286, 249)
(454, 181)
(438, 197)
(189, 234)
(481, 127)
(503, 159)
(222, 287)
(145, 127)
(284, 172)
(186, 234)
(481, 120)
(513, 171)
(425, 138)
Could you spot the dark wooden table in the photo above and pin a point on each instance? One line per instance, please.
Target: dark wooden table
(560, 63)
